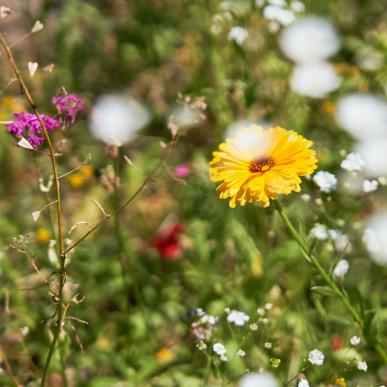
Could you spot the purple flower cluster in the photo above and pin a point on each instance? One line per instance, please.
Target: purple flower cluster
(68, 105)
(27, 125)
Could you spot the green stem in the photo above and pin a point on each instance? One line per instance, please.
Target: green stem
(327, 278)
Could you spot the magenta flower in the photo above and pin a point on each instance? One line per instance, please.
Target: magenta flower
(68, 106)
(182, 171)
(26, 125)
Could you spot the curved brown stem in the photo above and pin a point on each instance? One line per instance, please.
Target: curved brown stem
(62, 254)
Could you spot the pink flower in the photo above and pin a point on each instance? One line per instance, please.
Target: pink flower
(182, 171)
(26, 125)
(68, 106)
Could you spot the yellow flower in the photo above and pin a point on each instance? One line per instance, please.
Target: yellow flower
(42, 235)
(87, 171)
(165, 355)
(329, 108)
(340, 382)
(257, 165)
(76, 180)
(8, 105)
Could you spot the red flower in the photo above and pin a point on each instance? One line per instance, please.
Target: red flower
(167, 243)
(337, 343)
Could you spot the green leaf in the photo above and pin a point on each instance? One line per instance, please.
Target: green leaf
(324, 290)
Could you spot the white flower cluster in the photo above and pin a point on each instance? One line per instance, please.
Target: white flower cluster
(220, 350)
(203, 327)
(237, 318)
(238, 35)
(310, 42)
(280, 12)
(353, 163)
(341, 241)
(326, 181)
(227, 11)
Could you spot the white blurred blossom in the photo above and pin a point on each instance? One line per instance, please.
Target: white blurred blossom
(184, 116)
(341, 240)
(342, 243)
(326, 181)
(314, 80)
(373, 153)
(362, 366)
(278, 3)
(303, 383)
(353, 163)
(116, 120)
(319, 231)
(238, 34)
(355, 340)
(241, 353)
(369, 59)
(363, 115)
(374, 237)
(238, 318)
(309, 40)
(370, 185)
(316, 357)
(220, 350)
(255, 379)
(341, 268)
(281, 15)
(297, 6)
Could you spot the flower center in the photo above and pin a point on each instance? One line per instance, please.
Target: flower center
(261, 164)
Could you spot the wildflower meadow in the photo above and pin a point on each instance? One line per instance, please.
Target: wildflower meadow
(193, 193)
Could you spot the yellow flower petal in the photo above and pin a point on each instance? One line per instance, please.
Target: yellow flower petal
(258, 165)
